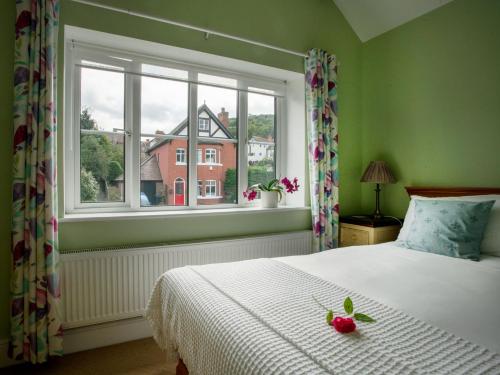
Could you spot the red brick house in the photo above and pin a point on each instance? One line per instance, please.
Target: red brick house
(215, 154)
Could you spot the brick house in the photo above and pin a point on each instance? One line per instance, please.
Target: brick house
(216, 153)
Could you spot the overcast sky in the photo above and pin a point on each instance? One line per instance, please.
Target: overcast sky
(163, 102)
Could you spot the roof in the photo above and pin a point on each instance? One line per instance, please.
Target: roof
(178, 129)
(256, 139)
(150, 171)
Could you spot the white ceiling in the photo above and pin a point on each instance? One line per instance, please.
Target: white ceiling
(370, 18)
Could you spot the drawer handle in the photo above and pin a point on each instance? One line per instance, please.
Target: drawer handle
(354, 237)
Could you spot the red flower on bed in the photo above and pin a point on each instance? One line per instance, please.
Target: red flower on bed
(343, 325)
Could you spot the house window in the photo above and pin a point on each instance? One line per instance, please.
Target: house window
(210, 188)
(210, 156)
(204, 124)
(200, 188)
(180, 156)
(125, 112)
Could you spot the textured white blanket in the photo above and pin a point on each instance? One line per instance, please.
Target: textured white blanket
(259, 317)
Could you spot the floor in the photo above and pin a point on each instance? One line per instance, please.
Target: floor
(141, 357)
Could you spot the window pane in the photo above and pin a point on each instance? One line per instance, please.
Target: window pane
(102, 173)
(102, 100)
(261, 138)
(102, 140)
(164, 109)
(218, 147)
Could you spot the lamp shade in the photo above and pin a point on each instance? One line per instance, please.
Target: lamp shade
(378, 172)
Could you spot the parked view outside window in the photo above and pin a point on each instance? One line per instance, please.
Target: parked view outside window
(261, 138)
(102, 136)
(220, 148)
(164, 108)
(142, 119)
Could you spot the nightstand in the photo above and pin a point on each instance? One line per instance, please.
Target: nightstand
(362, 230)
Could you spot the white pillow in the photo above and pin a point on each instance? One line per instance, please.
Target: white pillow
(491, 239)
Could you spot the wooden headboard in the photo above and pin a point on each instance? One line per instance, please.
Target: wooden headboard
(449, 192)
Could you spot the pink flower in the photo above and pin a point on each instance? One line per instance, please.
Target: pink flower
(343, 325)
(250, 194)
(289, 186)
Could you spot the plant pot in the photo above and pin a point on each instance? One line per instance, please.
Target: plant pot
(269, 199)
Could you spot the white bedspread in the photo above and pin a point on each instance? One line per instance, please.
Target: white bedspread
(258, 316)
(457, 295)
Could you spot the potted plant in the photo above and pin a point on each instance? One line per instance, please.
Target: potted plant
(272, 191)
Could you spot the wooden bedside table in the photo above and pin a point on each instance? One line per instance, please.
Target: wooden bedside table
(359, 230)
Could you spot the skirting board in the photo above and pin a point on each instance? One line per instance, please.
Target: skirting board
(95, 336)
(99, 335)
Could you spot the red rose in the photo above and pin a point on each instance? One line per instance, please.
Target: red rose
(343, 325)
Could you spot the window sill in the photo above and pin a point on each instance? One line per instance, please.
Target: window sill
(104, 216)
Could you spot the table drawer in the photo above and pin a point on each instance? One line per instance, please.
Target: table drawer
(352, 237)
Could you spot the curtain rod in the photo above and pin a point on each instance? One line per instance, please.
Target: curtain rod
(207, 32)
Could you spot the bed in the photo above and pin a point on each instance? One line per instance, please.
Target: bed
(435, 314)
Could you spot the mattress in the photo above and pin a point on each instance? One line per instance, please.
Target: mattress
(435, 313)
(457, 295)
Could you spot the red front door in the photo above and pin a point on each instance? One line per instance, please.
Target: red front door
(179, 192)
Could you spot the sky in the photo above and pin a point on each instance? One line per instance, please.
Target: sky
(164, 103)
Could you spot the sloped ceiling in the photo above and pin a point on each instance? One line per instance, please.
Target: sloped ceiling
(370, 18)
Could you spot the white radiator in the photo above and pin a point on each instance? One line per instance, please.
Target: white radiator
(103, 285)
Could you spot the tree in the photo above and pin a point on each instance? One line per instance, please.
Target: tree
(258, 126)
(114, 170)
(88, 187)
(98, 155)
(259, 174)
(86, 120)
(230, 186)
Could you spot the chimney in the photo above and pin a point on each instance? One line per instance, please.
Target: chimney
(159, 132)
(223, 117)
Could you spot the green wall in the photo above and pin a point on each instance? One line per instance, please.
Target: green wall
(7, 16)
(431, 101)
(293, 24)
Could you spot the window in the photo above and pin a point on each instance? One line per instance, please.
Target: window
(204, 124)
(200, 188)
(261, 122)
(210, 188)
(180, 156)
(210, 156)
(134, 123)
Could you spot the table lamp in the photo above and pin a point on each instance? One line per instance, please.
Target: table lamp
(378, 172)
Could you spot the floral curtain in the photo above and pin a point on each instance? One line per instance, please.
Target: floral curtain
(321, 102)
(36, 331)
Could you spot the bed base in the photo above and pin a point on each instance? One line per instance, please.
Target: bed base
(181, 368)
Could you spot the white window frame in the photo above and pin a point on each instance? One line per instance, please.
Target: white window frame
(180, 151)
(209, 153)
(205, 121)
(209, 184)
(110, 50)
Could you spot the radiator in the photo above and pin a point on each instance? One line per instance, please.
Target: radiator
(102, 285)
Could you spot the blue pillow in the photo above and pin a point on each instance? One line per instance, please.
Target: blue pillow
(446, 227)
